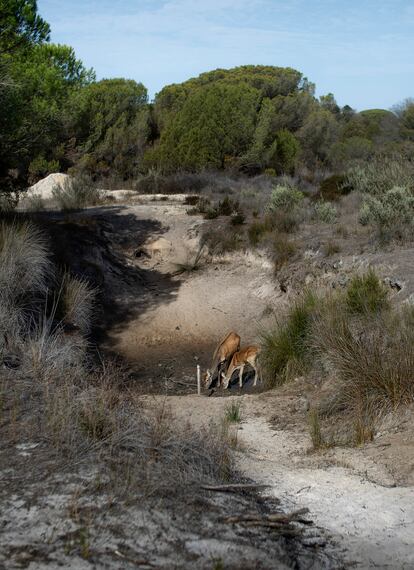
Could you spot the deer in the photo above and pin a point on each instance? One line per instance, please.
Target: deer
(247, 355)
(223, 353)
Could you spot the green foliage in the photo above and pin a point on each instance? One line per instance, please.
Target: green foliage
(285, 347)
(326, 212)
(366, 294)
(214, 123)
(391, 212)
(40, 167)
(380, 175)
(285, 198)
(21, 26)
(232, 412)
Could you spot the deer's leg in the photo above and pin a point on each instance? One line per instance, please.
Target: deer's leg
(241, 376)
(255, 373)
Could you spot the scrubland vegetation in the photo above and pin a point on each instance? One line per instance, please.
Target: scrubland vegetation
(355, 338)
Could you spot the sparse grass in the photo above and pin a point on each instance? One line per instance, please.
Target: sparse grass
(232, 412)
(315, 431)
(282, 250)
(285, 347)
(331, 248)
(256, 232)
(222, 240)
(366, 294)
(75, 194)
(191, 265)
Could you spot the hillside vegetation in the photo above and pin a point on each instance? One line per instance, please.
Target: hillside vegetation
(55, 116)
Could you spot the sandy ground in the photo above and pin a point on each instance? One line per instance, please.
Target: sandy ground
(351, 494)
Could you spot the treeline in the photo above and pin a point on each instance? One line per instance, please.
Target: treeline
(55, 116)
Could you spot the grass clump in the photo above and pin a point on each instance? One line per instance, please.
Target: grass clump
(76, 193)
(315, 431)
(232, 413)
(256, 232)
(220, 241)
(366, 294)
(285, 347)
(78, 299)
(282, 250)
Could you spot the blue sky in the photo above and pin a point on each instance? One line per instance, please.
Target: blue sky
(362, 51)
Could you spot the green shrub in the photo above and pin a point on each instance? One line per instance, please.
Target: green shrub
(366, 294)
(227, 207)
(378, 176)
(391, 212)
(285, 198)
(232, 412)
(285, 347)
(326, 212)
(211, 214)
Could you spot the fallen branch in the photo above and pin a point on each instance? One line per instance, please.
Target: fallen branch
(234, 487)
(272, 520)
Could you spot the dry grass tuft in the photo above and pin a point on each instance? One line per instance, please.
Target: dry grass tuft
(78, 299)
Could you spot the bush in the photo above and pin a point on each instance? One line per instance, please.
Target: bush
(333, 188)
(220, 241)
(76, 193)
(391, 212)
(326, 212)
(285, 198)
(211, 214)
(366, 294)
(379, 176)
(285, 348)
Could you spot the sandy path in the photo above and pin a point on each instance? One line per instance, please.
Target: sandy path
(370, 525)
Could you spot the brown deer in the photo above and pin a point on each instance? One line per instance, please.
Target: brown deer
(222, 355)
(247, 355)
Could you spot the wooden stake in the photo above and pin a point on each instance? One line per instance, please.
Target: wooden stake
(198, 380)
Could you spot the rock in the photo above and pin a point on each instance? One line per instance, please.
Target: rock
(338, 264)
(44, 188)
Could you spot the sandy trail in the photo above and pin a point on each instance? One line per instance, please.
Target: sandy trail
(370, 521)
